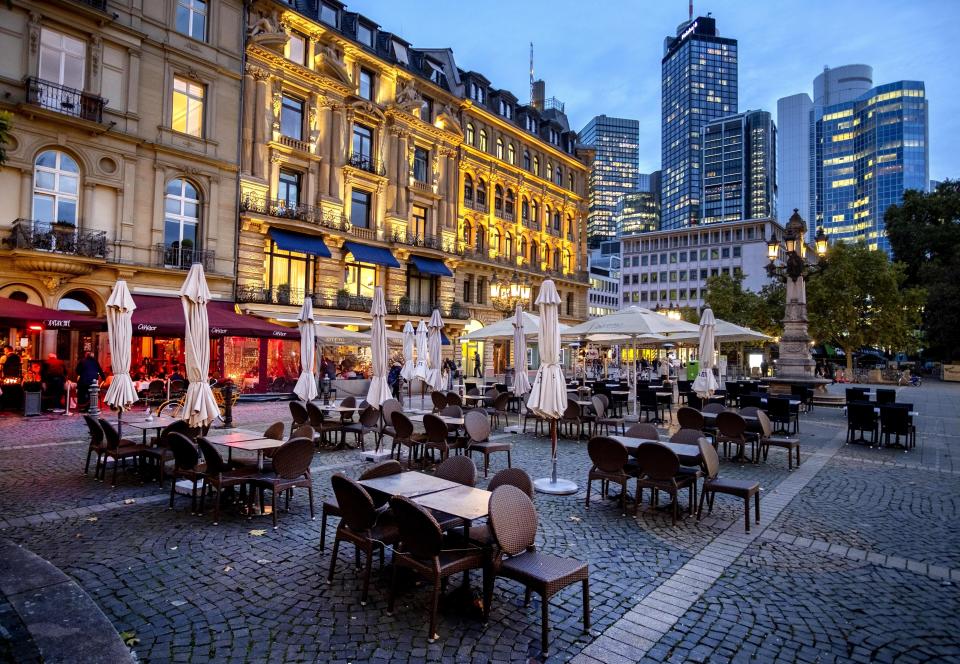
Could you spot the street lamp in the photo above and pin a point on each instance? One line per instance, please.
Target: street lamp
(794, 247)
(505, 294)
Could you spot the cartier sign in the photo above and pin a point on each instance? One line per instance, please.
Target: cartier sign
(143, 327)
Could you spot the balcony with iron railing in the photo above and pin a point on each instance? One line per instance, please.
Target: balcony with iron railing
(34, 235)
(424, 241)
(100, 5)
(366, 163)
(174, 256)
(282, 209)
(69, 101)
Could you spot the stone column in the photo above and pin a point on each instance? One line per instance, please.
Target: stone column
(249, 114)
(391, 163)
(338, 150)
(403, 175)
(324, 130)
(26, 195)
(133, 81)
(795, 359)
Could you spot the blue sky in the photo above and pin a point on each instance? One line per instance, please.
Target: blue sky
(608, 61)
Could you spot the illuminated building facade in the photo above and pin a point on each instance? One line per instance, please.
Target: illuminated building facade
(636, 212)
(616, 143)
(699, 83)
(739, 168)
(869, 151)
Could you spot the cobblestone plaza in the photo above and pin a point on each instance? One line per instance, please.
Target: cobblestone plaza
(856, 559)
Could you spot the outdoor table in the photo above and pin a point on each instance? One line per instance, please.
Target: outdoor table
(337, 408)
(477, 397)
(689, 454)
(257, 445)
(793, 402)
(409, 484)
(157, 423)
(911, 413)
(450, 421)
(227, 436)
(465, 502)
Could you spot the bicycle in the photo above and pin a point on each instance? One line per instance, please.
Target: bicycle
(908, 379)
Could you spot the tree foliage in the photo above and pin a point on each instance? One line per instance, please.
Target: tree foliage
(924, 233)
(761, 311)
(6, 122)
(860, 299)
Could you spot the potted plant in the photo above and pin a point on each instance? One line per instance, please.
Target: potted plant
(404, 305)
(343, 298)
(283, 294)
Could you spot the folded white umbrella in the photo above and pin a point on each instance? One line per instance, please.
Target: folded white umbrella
(521, 382)
(420, 370)
(379, 389)
(705, 383)
(409, 339)
(199, 406)
(434, 341)
(121, 394)
(306, 387)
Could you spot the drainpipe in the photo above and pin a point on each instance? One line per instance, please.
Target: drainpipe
(236, 203)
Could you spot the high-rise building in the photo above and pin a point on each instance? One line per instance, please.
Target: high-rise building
(793, 156)
(616, 142)
(869, 151)
(739, 168)
(636, 212)
(699, 84)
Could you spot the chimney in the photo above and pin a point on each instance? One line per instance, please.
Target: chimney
(539, 94)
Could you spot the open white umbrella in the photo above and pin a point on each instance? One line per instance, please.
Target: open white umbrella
(434, 341)
(199, 406)
(705, 383)
(548, 397)
(379, 389)
(521, 382)
(727, 332)
(408, 371)
(503, 329)
(306, 387)
(121, 394)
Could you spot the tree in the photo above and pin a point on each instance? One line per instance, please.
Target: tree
(859, 299)
(761, 311)
(6, 120)
(924, 233)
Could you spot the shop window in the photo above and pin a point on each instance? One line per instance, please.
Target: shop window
(359, 279)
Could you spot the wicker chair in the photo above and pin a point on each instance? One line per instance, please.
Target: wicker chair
(689, 418)
(513, 519)
(369, 422)
(661, 472)
(95, 445)
(609, 459)
(530, 415)
(731, 431)
(768, 440)
(642, 430)
(387, 409)
(602, 420)
(478, 430)
(186, 465)
(780, 412)
(498, 409)
(713, 484)
(860, 419)
(332, 508)
(159, 453)
(118, 449)
(404, 437)
(894, 419)
(361, 524)
(219, 475)
(572, 417)
(459, 469)
(291, 469)
(453, 399)
(421, 550)
(439, 400)
(481, 534)
(299, 413)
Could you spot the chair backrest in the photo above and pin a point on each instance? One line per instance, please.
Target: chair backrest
(473, 392)
(689, 418)
(693, 400)
(684, 385)
(299, 413)
(302, 431)
(357, 508)
(500, 403)
(370, 416)
(420, 534)
(731, 424)
(274, 431)
(453, 399)
(349, 401)
(598, 405)
(110, 433)
(798, 391)
(860, 413)
(96, 431)
(436, 428)
(491, 392)
(382, 469)
(517, 477)
(658, 461)
(733, 388)
(752, 400)
(459, 469)
(402, 425)
(177, 386)
(647, 398)
(388, 408)
(316, 415)
(643, 430)
(895, 418)
(686, 436)
(156, 387)
(185, 456)
(180, 426)
(713, 408)
(572, 411)
(886, 396)
(214, 462)
(607, 454)
(439, 400)
(749, 411)
(513, 519)
(292, 459)
(711, 460)
(477, 425)
(778, 407)
(452, 411)
(902, 404)
(766, 428)
(855, 394)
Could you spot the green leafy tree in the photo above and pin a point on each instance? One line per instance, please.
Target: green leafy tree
(761, 311)
(860, 299)
(6, 122)
(924, 233)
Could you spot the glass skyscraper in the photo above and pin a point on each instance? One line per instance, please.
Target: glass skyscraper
(637, 212)
(868, 152)
(739, 168)
(615, 171)
(699, 84)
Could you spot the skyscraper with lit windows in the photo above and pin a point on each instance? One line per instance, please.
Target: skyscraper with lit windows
(615, 171)
(699, 84)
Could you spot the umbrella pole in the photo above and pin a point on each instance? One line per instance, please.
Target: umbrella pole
(553, 485)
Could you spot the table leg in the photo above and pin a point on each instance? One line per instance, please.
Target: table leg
(259, 459)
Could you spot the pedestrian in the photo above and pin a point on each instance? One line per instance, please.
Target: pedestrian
(476, 365)
(54, 377)
(88, 372)
(175, 374)
(11, 363)
(393, 380)
(763, 368)
(451, 368)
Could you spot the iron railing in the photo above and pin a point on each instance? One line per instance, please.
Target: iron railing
(96, 4)
(58, 238)
(182, 257)
(366, 163)
(59, 98)
(405, 307)
(262, 294)
(414, 240)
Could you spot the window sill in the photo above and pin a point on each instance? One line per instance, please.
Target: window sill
(179, 139)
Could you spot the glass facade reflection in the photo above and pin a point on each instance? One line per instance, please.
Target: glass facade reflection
(699, 83)
(869, 151)
(739, 168)
(637, 212)
(615, 171)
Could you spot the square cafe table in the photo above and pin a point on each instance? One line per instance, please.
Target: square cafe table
(157, 423)
(257, 445)
(689, 454)
(462, 501)
(410, 484)
(227, 436)
(450, 421)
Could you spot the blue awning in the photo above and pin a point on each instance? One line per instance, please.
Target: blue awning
(304, 244)
(444, 339)
(364, 253)
(431, 266)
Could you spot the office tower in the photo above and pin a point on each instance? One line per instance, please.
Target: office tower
(643, 182)
(699, 84)
(793, 156)
(841, 84)
(616, 142)
(869, 151)
(636, 212)
(739, 168)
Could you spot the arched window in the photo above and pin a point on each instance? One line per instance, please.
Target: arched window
(483, 140)
(481, 238)
(549, 171)
(481, 193)
(508, 205)
(535, 213)
(500, 148)
(546, 225)
(466, 233)
(56, 188)
(526, 160)
(471, 134)
(495, 241)
(567, 261)
(556, 222)
(570, 181)
(498, 199)
(508, 246)
(181, 223)
(523, 247)
(560, 175)
(569, 227)
(524, 209)
(535, 254)
(467, 187)
(536, 166)
(556, 260)
(511, 154)
(77, 301)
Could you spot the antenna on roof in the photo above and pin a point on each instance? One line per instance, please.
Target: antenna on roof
(691, 10)
(531, 72)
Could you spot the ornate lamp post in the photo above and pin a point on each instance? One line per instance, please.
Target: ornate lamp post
(505, 294)
(795, 361)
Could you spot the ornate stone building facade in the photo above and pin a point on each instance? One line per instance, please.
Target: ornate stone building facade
(123, 156)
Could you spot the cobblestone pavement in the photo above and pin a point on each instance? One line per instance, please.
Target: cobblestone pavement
(859, 563)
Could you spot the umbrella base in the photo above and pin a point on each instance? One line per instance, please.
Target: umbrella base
(559, 488)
